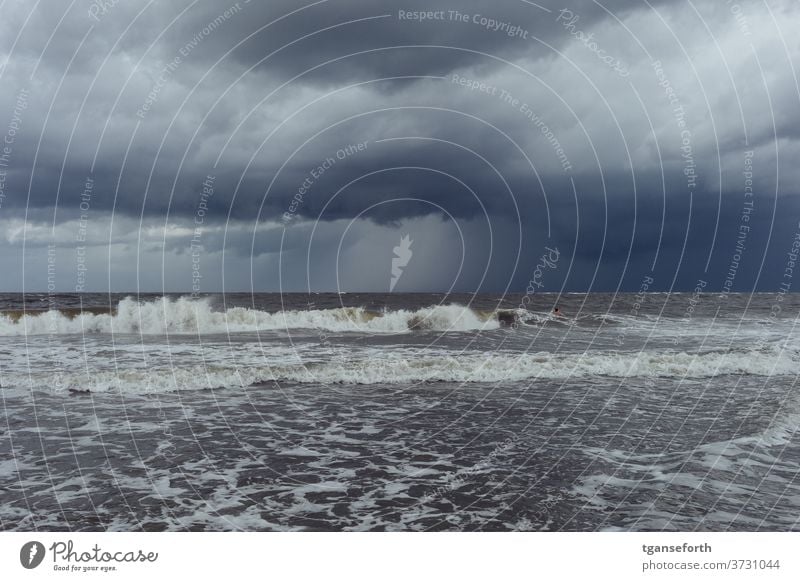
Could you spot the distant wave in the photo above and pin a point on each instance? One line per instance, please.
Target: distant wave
(408, 367)
(188, 316)
(198, 317)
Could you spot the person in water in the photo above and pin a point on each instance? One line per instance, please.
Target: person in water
(557, 312)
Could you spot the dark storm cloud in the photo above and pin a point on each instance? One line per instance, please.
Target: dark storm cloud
(147, 101)
(290, 38)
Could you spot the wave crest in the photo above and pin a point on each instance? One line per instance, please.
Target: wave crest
(190, 316)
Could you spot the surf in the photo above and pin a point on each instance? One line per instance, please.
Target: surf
(185, 315)
(419, 366)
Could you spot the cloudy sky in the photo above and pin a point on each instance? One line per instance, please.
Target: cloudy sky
(214, 145)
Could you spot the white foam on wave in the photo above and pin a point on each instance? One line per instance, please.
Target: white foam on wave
(408, 366)
(188, 316)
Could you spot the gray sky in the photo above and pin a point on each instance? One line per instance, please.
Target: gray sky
(159, 145)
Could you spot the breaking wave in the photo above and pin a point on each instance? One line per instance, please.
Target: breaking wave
(188, 316)
(408, 367)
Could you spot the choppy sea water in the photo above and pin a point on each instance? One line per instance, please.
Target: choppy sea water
(399, 412)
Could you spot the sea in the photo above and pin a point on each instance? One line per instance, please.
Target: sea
(399, 412)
